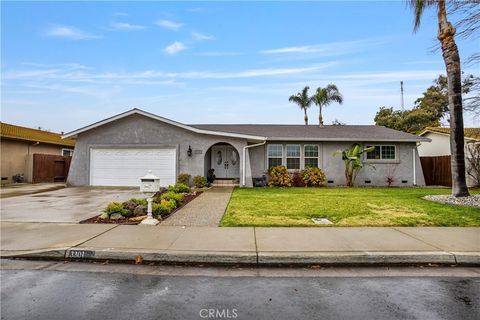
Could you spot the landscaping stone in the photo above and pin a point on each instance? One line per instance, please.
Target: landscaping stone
(139, 210)
(116, 216)
(471, 201)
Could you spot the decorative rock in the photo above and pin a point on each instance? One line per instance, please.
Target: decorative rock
(139, 218)
(471, 201)
(140, 211)
(116, 216)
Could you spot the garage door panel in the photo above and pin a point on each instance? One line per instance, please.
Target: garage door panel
(125, 166)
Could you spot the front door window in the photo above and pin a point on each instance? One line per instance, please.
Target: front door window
(225, 161)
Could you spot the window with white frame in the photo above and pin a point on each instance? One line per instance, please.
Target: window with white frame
(293, 156)
(310, 154)
(274, 155)
(382, 153)
(67, 152)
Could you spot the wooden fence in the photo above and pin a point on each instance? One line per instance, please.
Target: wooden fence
(50, 168)
(437, 171)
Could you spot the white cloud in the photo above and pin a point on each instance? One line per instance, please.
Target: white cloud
(169, 24)
(119, 14)
(332, 48)
(125, 26)
(175, 47)
(70, 33)
(200, 36)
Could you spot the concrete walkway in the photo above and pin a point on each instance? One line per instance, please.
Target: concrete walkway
(206, 210)
(256, 246)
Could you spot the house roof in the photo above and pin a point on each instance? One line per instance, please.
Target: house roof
(275, 132)
(34, 135)
(315, 132)
(472, 133)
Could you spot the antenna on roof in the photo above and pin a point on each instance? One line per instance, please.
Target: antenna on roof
(401, 96)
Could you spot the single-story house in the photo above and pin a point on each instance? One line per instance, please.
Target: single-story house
(18, 144)
(118, 150)
(440, 144)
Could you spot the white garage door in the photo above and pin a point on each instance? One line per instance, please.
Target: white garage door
(125, 166)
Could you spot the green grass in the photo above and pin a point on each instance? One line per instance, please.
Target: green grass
(294, 207)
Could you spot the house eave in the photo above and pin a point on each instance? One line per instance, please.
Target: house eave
(347, 139)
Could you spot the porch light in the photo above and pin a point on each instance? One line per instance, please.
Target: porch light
(149, 185)
(189, 151)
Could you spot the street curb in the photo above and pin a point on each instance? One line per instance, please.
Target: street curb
(58, 253)
(252, 258)
(356, 258)
(164, 256)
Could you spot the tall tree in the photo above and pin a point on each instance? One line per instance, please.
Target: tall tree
(451, 57)
(325, 96)
(303, 100)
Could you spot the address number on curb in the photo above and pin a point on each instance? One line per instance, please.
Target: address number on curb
(81, 253)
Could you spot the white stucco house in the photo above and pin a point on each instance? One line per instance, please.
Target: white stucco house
(118, 150)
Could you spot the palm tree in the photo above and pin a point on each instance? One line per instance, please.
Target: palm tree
(446, 36)
(303, 101)
(324, 96)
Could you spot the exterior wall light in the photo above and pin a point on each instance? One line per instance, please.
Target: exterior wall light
(189, 151)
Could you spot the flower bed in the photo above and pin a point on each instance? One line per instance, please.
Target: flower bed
(165, 202)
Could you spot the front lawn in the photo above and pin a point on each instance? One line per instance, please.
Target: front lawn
(344, 207)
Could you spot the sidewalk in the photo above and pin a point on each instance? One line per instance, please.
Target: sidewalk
(255, 246)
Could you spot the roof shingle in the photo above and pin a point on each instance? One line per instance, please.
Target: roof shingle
(315, 132)
(28, 134)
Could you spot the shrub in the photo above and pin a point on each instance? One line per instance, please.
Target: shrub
(180, 188)
(177, 197)
(164, 207)
(160, 192)
(297, 180)
(200, 181)
(313, 177)
(279, 177)
(184, 178)
(116, 207)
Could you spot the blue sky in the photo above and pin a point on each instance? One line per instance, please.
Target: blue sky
(68, 64)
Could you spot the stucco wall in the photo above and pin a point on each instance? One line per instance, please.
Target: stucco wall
(16, 154)
(439, 146)
(140, 131)
(333, 166)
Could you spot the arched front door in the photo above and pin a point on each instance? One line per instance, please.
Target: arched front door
(225, 161)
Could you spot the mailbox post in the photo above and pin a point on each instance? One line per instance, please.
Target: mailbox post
(150, 184)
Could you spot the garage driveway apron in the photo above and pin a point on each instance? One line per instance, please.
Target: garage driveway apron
(69, 205)
(205, 210)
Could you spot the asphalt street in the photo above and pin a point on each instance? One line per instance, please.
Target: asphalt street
(72, 292)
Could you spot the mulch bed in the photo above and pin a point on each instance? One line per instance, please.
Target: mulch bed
(128, 221)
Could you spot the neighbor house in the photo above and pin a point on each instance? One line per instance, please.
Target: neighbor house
(440, 144)
(19, 144)
(119, 150)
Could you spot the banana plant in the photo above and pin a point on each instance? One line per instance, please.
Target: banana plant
(352, 157)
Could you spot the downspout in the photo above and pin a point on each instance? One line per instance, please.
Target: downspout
(244, 175)
(415, 163)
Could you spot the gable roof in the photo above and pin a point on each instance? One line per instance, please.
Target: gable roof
(470, 133)
(275, 132)
(317, 133)
(73, 134)
(28, 134)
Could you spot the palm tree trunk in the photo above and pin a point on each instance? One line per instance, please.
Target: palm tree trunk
(451, 57)
(320, 117)
(306, 117)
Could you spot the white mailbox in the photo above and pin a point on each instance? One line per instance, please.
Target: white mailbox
(149, 183)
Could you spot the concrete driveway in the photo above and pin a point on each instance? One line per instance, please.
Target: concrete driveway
(69, 205)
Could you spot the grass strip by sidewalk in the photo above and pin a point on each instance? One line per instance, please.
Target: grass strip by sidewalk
(294, 207)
